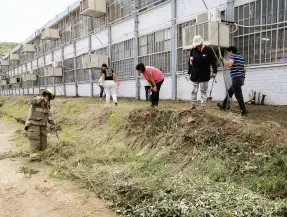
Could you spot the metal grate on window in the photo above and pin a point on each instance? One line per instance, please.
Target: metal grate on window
(82, 74)
(68, 69)
(147, 4)
(119, 9)
(122, 57)
(41, 76)
(261, 44)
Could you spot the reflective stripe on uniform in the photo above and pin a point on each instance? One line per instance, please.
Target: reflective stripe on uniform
(37, 123)
(41, 110)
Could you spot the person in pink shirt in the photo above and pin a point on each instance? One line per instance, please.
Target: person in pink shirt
(155, 78)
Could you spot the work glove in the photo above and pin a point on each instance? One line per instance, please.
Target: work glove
(213, 75)
(221, 59)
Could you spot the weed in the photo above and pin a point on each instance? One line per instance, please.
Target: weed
(28, 171)
(165, 162)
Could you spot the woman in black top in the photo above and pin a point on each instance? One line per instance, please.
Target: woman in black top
(110, 82)
(200, 60)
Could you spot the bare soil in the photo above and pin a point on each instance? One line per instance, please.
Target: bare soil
(37, 195)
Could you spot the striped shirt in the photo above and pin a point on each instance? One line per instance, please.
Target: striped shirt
(237, 69)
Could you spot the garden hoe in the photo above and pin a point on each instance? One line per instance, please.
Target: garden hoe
(210, 97)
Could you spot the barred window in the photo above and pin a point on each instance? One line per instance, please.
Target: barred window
(68, 70)
(146, 4)
(154, 50)
(122, 57)
(41, 77)
(120, 9)
(82, 74)
(182, 55)
(263, 44)
(100, 23)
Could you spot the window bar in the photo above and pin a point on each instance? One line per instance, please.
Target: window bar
(284, 29)
(271, 33)
(243, 37)
(260, 37)
(277, 33)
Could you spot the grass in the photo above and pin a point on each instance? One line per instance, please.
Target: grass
(28, 171)
(161, 163)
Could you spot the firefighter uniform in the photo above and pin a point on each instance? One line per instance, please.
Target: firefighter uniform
(36, 125)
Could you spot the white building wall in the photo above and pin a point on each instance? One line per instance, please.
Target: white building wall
(84, 89)
(82, 46)
(48, 58)
(58, 55)
(122, 31)
(34, 64)
(29, 66)
(127, 89)
(155, 19)
(68, 51)
(59, 90)
(96, 89)
(187, 9)
(70, 90)
(100, 39)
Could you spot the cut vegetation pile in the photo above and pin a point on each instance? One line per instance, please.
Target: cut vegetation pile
(167, 162)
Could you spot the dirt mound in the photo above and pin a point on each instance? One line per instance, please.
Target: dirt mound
(179, 123)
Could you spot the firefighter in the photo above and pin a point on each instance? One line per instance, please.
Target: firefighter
(36, 123)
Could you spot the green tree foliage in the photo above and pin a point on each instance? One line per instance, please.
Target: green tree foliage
(5, 47)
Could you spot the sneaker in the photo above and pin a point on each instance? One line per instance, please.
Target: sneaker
(219, 105)
(243, 113)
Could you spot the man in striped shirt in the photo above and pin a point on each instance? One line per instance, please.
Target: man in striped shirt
(237, 67)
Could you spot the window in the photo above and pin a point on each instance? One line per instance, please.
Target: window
(263, 44)
(182, 55)
(68, 70)
(119, 9)
(154, 50)
(122, 58)
(82, 74)
(146, 4)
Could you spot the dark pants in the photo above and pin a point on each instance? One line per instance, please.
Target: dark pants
(102, 91)
(147, 93)
(237, 83)
(155, 95)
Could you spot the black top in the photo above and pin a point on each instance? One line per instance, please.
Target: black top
(108, 74)
(199, 64)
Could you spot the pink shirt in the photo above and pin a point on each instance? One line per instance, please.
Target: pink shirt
(157, 75)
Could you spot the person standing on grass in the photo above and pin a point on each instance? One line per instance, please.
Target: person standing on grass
(201, 59)
(155, 78)
(36, 124)
(110, 82)
(101, 87)
(237, 67)
(147, 88)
